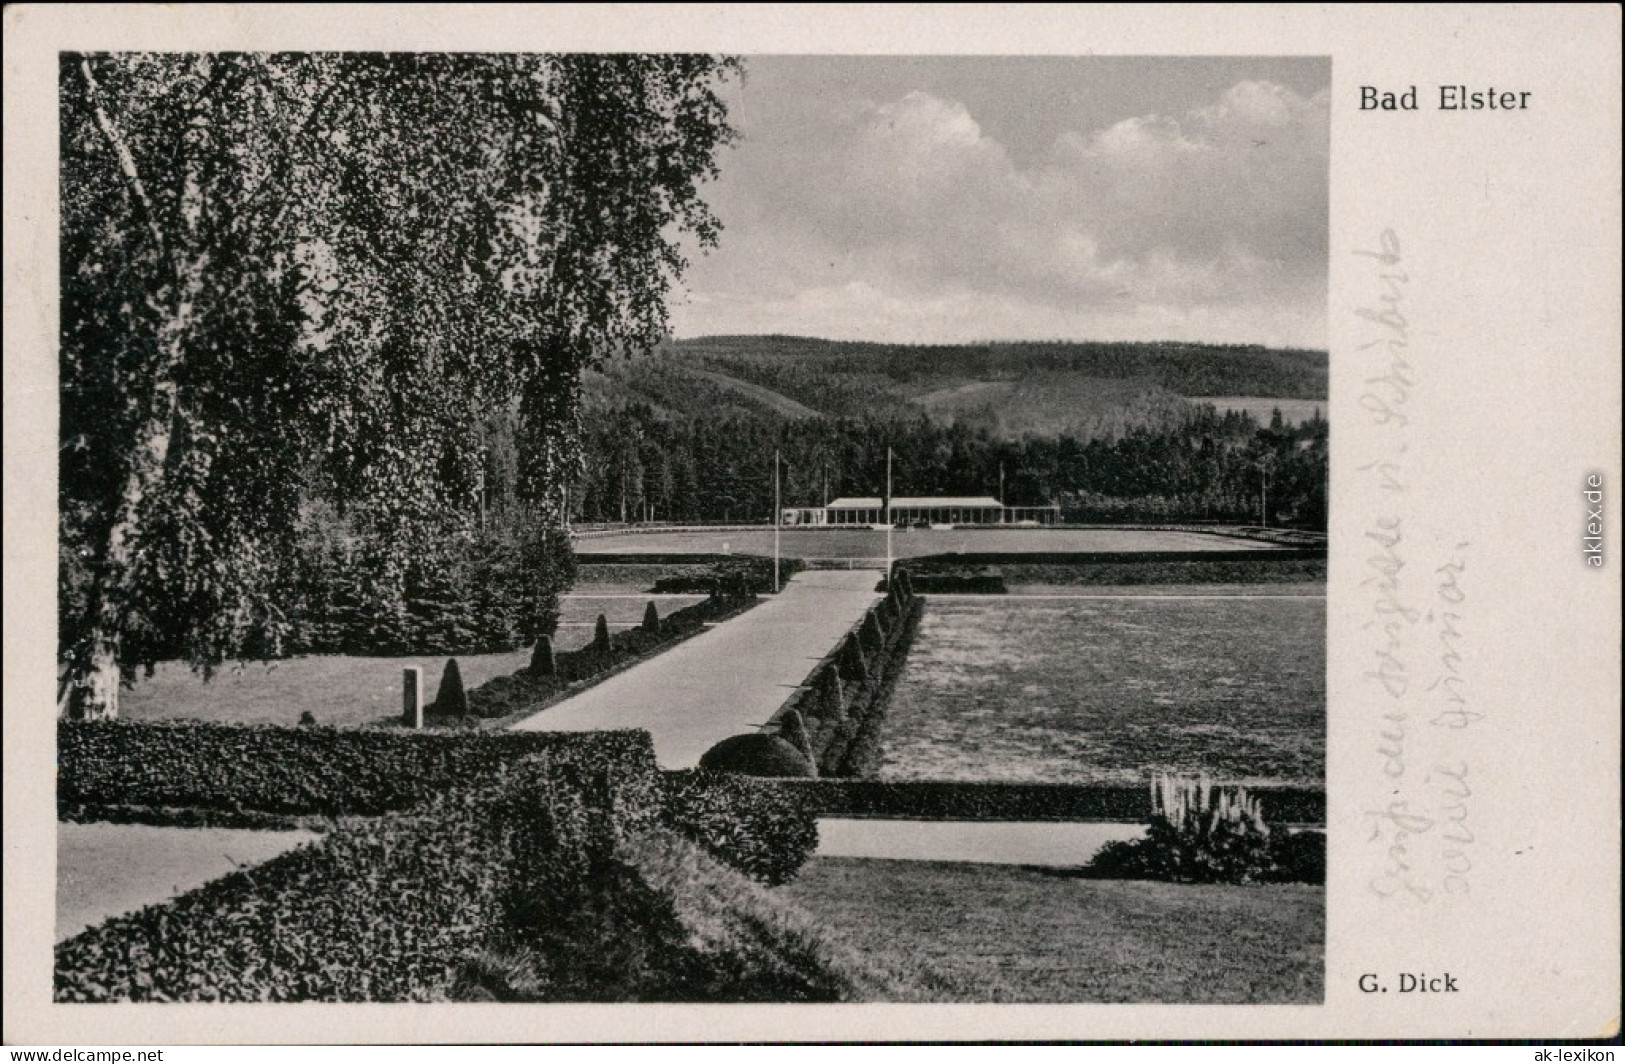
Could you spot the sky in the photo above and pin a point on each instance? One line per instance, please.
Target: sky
(961, 199)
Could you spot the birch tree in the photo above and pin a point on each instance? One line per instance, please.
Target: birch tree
(316, 273)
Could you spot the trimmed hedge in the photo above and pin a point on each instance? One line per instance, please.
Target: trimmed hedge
(1278, 857)
(1300, 857)
(407, 898)
(956, 800)
(758, 754)
(945, 573)
(190, 817)
(926, 562)
(666, 922)
(845, 697)
(687, 574)
(757, 827)
(413, 898)
(733, 573)
(303, 771)
(963, 583)
(862, 754)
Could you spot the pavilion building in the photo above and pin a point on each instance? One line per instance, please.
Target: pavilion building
(919, 510)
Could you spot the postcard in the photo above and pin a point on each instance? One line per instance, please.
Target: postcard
(726, 523)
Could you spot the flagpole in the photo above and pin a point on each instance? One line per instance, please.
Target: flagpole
(888, 519)
(778, 518)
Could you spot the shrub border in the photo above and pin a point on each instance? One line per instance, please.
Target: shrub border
(414, 892)
(151, 766)
(921, 563)
(851, 746)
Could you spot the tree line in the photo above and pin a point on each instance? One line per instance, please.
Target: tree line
(1213, 466)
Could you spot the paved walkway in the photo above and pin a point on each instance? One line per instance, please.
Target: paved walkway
(725, 681)
(105, 870)
(1021, 597)
(994, 842)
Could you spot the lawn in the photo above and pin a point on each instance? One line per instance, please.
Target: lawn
(347, 691)
(1012, 688)
(336, 689)
(1009, 933)
(843, 543)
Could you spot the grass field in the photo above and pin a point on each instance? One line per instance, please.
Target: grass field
(1008, 933)
(843, 543)
(348, 691)
(337, 690)
(1012, 688)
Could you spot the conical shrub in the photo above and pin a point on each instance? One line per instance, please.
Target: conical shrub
(834, 698)
(877, 628)
(651, 619)
(451, 700)
(542, 662)
(794, 729)
(853, 664)
(600, 635)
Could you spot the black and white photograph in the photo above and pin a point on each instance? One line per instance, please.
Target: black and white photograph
(550, 525)
(670, 527)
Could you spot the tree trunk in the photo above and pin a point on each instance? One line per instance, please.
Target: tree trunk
(93, 677)
(90, 689)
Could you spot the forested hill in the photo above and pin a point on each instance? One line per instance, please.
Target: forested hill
(1108, 432)
(1012, 390)
(1182, 368)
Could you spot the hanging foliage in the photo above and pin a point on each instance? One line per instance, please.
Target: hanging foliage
(311, 276)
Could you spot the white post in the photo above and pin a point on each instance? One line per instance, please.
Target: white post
(412, 696)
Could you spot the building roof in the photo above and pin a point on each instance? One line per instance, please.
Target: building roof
(919, 502)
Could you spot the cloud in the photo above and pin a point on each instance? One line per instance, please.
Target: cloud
(905, 214)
